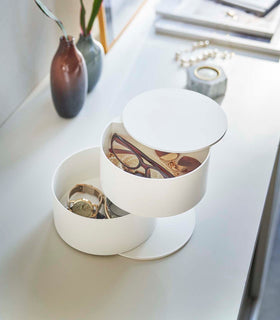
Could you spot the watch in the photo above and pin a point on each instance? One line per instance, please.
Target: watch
(83, 206)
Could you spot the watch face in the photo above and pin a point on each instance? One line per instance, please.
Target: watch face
(82, 208)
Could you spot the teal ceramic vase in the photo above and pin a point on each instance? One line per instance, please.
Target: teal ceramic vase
(93, 53)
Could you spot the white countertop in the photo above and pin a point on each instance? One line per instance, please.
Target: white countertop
(43, 278)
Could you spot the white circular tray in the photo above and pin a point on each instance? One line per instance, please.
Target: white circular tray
(170, 235)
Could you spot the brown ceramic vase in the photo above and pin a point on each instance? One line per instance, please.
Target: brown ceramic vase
(68, 79)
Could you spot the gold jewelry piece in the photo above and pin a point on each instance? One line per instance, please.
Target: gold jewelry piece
(202, 77)
(106, 208)
(232, 14)
(85, 207)
(112, 211)
(115, 161)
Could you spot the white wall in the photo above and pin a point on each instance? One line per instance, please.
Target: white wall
(28, 42)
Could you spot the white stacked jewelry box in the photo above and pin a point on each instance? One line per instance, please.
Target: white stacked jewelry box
(94, 236)
(161, 218)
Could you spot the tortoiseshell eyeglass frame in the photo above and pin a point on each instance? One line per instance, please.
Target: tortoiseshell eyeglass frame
(141, 157)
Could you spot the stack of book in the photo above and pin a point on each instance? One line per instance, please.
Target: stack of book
(260, 8)
(222, 23)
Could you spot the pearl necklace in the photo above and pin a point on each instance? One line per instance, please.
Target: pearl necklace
(185, 61)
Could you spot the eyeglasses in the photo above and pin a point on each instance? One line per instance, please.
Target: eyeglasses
(132, 159)
(138, 163)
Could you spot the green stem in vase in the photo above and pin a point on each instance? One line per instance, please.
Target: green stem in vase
(50, 15)
(83, 17)
(95, 8)
(94, 11)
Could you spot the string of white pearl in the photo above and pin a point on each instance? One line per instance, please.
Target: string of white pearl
(202, 56)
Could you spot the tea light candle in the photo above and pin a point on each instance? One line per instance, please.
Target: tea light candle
(207, 79)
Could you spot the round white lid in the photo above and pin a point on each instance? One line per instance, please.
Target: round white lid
(174, 120)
